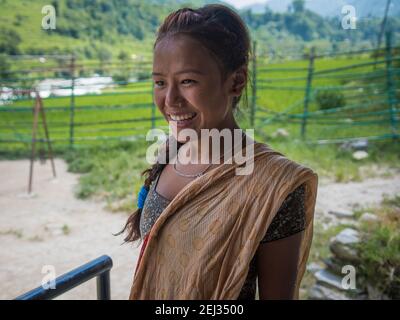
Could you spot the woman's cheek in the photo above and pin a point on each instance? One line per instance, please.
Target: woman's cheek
(159, 103)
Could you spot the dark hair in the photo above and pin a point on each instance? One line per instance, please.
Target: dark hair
(220, 30)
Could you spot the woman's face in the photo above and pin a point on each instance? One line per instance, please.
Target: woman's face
(187, 82)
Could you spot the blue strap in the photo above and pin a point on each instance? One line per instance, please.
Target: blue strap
(142, 196)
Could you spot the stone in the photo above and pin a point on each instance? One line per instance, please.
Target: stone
(280, 133)
(343, 245)
(359, 155)
(329, 279)
(342, 213)
(368, 217)
(361, 144)
(313, 267)
(319, 292)
(334, 265)
(348, 236)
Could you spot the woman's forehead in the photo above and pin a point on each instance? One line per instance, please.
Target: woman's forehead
(181, 53)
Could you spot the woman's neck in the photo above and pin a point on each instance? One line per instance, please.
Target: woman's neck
(214, 146)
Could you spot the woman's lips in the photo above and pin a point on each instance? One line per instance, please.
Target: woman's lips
(183, 123)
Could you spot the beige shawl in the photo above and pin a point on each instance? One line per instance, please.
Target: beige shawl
(201, 245)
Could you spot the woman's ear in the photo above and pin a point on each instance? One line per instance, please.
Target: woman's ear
(239, 80)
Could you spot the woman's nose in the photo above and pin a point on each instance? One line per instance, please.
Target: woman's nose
(173, 97)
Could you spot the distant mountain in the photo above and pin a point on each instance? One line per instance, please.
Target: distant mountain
(364, 8)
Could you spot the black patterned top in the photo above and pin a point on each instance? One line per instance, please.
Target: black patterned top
(289, 220)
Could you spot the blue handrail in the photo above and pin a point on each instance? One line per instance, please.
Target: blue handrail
(99, 268)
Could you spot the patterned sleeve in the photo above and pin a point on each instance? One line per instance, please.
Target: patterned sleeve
(290, 218)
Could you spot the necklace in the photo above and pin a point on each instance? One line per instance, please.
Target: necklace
(202, 172)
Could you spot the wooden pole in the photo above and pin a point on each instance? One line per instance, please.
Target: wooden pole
(308, 91)
(50, 151)
(383, 25)
(72, 104)
(391, 86)
(34, 131)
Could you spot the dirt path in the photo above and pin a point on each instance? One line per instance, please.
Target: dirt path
(54, 228)
(346, 197)
(33, 232)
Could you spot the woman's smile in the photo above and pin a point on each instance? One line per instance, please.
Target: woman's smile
(183, 120)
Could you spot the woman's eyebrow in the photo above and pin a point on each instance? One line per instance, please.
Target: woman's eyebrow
(179, 72)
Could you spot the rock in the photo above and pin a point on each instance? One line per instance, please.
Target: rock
(314, 267)
(359, 155)
(334, 265)
(319, 292)
(280, 133)
(361, 144)
(343, 245)
(342, 213)
(329, 279)
(348, 236)
(368, 218)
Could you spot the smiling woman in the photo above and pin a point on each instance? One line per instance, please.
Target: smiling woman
(208, 233)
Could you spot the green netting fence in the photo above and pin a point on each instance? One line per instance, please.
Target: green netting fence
(319, 98)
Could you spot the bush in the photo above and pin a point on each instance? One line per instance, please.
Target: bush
(5, 67)
(380, 250)
(328, 99)
(143, 76)
(121, 78)
(9, 41)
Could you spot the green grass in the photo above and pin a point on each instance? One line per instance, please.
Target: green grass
(380, 249)
(329, 161)
(114, 174)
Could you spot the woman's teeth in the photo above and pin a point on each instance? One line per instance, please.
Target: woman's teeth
(183, 117)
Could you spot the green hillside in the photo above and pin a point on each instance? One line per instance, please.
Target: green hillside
(99, 28)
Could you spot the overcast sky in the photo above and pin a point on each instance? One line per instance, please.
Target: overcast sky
(242, 3)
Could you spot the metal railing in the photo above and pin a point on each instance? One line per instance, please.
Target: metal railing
(99, 268)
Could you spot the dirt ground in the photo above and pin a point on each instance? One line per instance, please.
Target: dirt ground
(54, 228)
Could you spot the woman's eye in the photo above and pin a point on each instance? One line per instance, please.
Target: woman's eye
(190, 81)
(158, 83)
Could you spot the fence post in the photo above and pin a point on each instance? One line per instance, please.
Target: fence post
(254, 89)
(308, 91)
(72, 104)
(391, 86)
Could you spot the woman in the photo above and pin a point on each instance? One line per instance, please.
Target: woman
(207, 232)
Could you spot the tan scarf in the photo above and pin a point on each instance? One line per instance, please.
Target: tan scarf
(201, 245)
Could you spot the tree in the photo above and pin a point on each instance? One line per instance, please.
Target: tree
(123, 56)
(298, 5)
(4, 67)
(9, 41)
